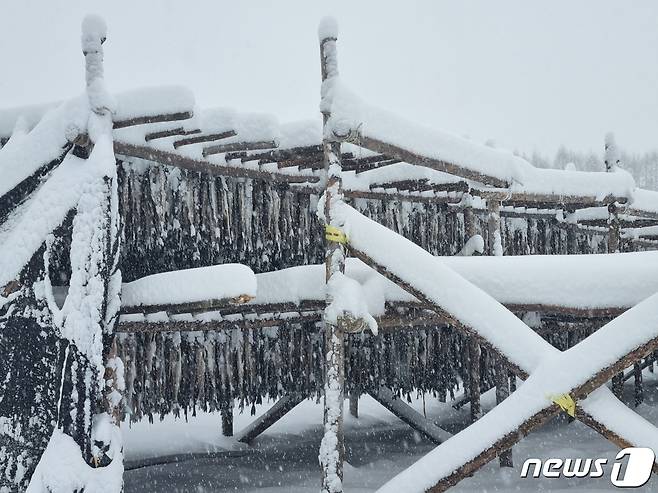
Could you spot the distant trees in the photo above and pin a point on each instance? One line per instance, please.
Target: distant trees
(643, 166)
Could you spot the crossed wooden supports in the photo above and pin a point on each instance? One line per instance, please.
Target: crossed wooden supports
(553, 379)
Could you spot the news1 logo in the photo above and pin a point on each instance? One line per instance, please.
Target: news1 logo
(638, 462)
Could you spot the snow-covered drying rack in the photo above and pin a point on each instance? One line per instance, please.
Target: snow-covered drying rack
(131, 227)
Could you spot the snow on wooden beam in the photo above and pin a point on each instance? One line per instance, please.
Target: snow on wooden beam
(157, 118)
(238, 146)
(410, 416)
(192, 307)
(204, 138)
(411, 157)
(528, 424)
(179, 161)
(145, 326)
(170, 133)
(406, 197)
(271, 416)
(19, 193)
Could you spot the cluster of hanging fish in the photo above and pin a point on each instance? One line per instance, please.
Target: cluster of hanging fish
(173, 219)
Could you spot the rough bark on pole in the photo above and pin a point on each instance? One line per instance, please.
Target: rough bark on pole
(474, 378)
(611, 163)
(501, 372)
(227, 422)
(638, 393)
(332, 448)
(354, 404)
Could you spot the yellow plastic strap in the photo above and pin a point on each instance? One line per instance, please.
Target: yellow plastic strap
(332, 233)
(566, 403)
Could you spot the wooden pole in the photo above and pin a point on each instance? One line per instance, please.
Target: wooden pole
(474, 351)
(611, 162)
(332, 448)
(501, 372)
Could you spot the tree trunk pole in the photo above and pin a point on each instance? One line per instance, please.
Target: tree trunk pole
(611, 163)
(474, 351)
(501, 373)
(332, 448)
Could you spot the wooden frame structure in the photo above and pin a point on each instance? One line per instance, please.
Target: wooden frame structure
(173, 138)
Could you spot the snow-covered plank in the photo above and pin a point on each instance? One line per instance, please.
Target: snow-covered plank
(598, 284)
(386, 133)
(207, 287)
(27, 227)
(134, 107)
(194, 164)
(410, 416)
(577, 372)
(491, 324)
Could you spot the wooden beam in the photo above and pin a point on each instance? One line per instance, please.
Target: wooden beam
(142, 120)
(431, 199)
(210, 326)
(194, 306)
(271, 416)
(238, 146)
(411, 157)
(179, 161)
(539, 418)
(204, 138)
(410, 416)
(23, 190)
(169, 133)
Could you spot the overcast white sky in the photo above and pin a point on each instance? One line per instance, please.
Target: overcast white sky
(530, 75)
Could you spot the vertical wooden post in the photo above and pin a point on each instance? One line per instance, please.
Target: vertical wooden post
(611, 160)
(354, 404)
(474, 379)
(638, 393)
(332, 448)
(227, 422)
(474, 351)
(501, 373)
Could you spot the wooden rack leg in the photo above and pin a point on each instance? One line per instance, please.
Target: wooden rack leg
(474, 375)
(227, 422)
(274, 414)
(638, 388)
(410, 416)
(354, 404)
(502, 393)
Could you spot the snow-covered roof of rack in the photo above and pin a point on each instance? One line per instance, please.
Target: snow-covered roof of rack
(386, 158)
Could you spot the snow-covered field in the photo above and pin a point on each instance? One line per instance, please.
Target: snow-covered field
(284, 458)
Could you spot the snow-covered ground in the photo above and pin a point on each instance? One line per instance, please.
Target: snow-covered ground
(284, 458)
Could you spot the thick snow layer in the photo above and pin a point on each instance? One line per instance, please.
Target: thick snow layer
(348, 298)
(349, 112)
(573, 281)
(395, 172)
(62, 470)
(28, 227)
(147, 101)
(190, 285)
(328, 28)
(645, 200)
(150, 101)
(43, 144)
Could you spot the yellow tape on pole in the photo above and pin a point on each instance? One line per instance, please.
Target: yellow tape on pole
(566, 403)
(332, 233)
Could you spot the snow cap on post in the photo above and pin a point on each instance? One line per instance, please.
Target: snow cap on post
(611, 157)
(328, 29)
(94, 33)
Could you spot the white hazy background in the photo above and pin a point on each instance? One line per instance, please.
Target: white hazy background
(529, 75)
